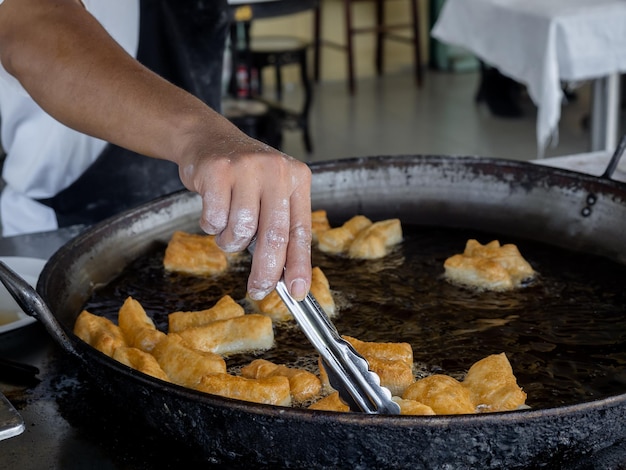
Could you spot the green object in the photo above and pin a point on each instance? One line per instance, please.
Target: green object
(444, 56)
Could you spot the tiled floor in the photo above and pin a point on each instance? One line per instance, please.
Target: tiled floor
(391, 116)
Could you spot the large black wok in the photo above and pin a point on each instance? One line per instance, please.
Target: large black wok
(549, 205)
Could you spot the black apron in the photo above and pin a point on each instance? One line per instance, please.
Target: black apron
(183, 41)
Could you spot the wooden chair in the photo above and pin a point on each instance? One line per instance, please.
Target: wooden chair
(383, 31)
(276, 52)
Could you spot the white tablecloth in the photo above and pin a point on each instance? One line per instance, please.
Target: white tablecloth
(540, 43)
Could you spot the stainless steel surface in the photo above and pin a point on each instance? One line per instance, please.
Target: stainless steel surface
(11, 423)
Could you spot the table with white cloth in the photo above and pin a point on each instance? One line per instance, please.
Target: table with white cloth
(543, 43)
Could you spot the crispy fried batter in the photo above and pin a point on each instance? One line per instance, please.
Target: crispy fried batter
(137, 326)
(331, 402)
(184, 365)
(492, 385)
(225, 308)
(271, 390)
(194, 254)
(393, 362)
(444, 394)
(375, 241)
(246, 333)
(141, 361)
(337, 240)
(304, 385)
(99, 332)
(412, 407)
(488, 267)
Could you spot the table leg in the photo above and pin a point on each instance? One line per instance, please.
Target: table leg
(605, 113)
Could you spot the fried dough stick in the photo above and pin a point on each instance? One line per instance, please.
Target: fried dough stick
(184, 365)
(99, 332)
(194, 254)
(492, 385)
(444, 394)
(375, 241)
(141, 361)
(137, 326)
(303, 385)
(225, 308)
(337, 240)
(271, 390)
(246, 333)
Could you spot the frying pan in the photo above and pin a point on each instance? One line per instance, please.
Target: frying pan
(553, 206)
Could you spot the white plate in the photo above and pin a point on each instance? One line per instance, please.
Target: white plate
(11, 315)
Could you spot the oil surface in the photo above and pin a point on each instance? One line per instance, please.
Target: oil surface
(565, 334)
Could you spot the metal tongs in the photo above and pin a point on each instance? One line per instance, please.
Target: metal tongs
(348, 371)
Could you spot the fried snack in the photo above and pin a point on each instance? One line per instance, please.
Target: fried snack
(337, 240)
(184, 365)
(393, 362)
(330, 402)
(319, 223)
(492, 385)
(444, 394)
(402, 352)
(141, 361)
(412, 407)
(99, 332)
(303, 385)
(194, 254)
(274, 307)
(137, 326)
(225, 308)
(375, 241)
(247, 333)
(488, 267)
(271, 390)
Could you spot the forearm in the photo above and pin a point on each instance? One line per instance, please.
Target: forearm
(71, 66)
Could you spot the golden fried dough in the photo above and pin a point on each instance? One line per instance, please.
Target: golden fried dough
(402, 352)
(137, 326)
(331, 402)
(184, 365)
(374, 241)
(393, 362)
(488, 267)
(194, 254)
(247, 333)
(225, 308)
(412, 407)
(337, 240)
(99, 332)
(394, 375)
(492, 385)
(271, 390)
(444, 394)
(275, 308)
(319, 223)
(141, 361)
(304, 385)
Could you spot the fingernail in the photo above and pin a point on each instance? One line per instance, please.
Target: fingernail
(297, 289)
(258, 294)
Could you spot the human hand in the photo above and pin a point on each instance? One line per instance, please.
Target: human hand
(249, 188)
